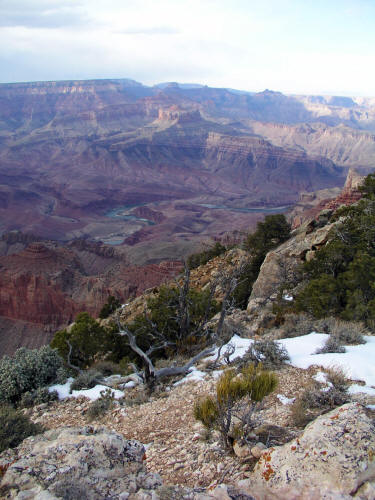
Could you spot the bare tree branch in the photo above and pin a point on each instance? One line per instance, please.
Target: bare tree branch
(68, 359)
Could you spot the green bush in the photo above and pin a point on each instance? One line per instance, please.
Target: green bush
(216, 412)
(15, 427)
(165, 316)
(109, 307)
(41, 395)
(89, 340)
(28, 370)
(341, 277)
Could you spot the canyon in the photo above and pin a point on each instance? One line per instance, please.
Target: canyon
(105, 185)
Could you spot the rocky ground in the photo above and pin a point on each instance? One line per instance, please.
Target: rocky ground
(177, 446)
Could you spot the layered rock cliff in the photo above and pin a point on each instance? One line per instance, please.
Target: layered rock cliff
(45, 285)
(71, 151)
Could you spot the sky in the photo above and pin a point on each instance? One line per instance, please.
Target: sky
(293, 46)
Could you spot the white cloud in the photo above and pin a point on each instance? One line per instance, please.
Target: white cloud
(244, 44)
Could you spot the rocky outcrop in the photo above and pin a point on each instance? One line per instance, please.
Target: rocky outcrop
(310, 205)
(343, 145)
(282, 264)
(84, 463)
(149, 214)
(333, 458)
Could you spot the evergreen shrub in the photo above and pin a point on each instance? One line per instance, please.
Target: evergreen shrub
(37, 397)
(29, 370)
(217, 412)
(15, 427)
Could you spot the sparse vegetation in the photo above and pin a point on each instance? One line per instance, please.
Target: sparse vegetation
(315, 399)
(237, 395)
(200, 258)
(267, 352)
(332, 344)
(99, 407)
(295, 325)
(86, 380)
(15, 427)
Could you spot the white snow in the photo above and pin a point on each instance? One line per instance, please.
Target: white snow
(284, 400)
(320, 377)
(288, 297)
(130, 384)
(355, 388)
(63, 390)
(371, 407)
(194, 374)
(357, 362)
(241, 345)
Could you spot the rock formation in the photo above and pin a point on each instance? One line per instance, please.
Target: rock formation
(132, 145)
(333, 458)
(84, 463)
(45, 285)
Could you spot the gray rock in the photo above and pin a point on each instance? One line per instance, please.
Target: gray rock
(335, 453)
(83, 463)
(282, 264)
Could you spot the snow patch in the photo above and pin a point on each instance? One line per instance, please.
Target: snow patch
(287, 297)
(241, 345)
(356, 362)
(284, 400)
(194, 375)
(364, 389)
(321, 377)
(63, 391)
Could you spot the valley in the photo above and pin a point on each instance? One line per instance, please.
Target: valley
(113, 179)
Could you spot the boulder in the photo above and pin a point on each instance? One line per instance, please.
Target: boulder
(75, 462)
(282, 264)
(335, 453)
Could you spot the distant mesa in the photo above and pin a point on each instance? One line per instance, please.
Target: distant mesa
(174, 113)
(36, 250)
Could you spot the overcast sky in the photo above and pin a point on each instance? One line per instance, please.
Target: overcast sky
(295, 46)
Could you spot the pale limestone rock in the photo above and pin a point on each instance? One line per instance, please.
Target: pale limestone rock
(281, 264)
(241, 450)
(258, 449)
(335, 453)
(78, 462)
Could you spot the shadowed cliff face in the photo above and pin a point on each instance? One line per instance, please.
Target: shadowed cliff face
(45, 285)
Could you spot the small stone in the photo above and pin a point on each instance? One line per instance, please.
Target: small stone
(258, 449)
(241, 451)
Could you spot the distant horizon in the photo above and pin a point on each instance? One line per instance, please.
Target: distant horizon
(295, 47)
(198, 84)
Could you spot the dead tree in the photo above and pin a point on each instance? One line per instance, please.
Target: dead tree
(227, 281)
